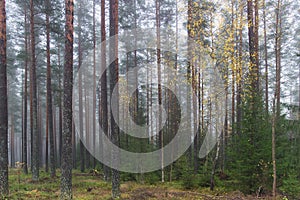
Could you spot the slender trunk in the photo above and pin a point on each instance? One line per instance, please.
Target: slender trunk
(59, 110)
(3, 105)
(161, 137)
(74, 145)
(66, 161)
(60, 119)
(214, 165)
(253, 69)
(94, 82)
(276, 101)
(274, 150)
(47, 142)
(114, 77)
(40, 127)
(103, 106)
(266, 58)
(233, 68)
(278, 36)
(173, 111)
(196, 137)
(87, 127)
(256, 40)
(82, 148)
(12, 142)
(239, 71)
(55, 134)
(35, 138)
(24, 138)
(49, 122)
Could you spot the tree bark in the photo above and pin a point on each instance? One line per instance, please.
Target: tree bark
(3, 105)
(274, 151)
(276, 101)
(233, 68)
(239, 72)
(103, 110)
(266, 58)
(12, 142)
(66, 161)
(82, 148)
(160, 135)
(59, 110)
(24, 136)
(34, 125)
(253, 37)
(278, 36)
(94, 82)
(74, 146)
(114, 76)
(49, 97)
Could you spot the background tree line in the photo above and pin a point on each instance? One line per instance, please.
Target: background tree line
(253, 44)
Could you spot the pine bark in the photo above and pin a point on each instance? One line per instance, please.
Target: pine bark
(276, 102)
(274, 151)
(278, 36)
(82, 148)
(24, 135)
(266, 59)
(103, 110)
(3, 105)
(34, 119)
(94, 82)
(49, 98)
(12, 143)
(253, 37)
(114, 76)
(59, 110)
(239, 72)
(158, 52)
(66, 161)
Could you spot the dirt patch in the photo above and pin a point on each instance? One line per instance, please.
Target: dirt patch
(171, 194)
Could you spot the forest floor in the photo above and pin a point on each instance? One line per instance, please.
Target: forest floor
(88, 186)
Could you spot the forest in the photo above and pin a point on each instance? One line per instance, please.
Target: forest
(149, 99)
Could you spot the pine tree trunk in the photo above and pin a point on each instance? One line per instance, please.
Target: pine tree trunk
(74, 146)
(274, 151)
(87, 126)
(239, 72)
(256, 41)
(253, 70)
(49, 98)
(103, 110)
(24, 136)
(233, 63)
(214, 165)
(59, 109)
(66, 161)
(12, 143)
(160, 135)
(278, 36)
(34, 125)
(94, 82)
(276, 102)
(82, 148)
(266, 59)
(114, 76)
(3, 105)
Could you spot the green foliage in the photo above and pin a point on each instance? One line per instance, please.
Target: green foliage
(291, 186)
(288, 158)
(249, 154)
(152, 178)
